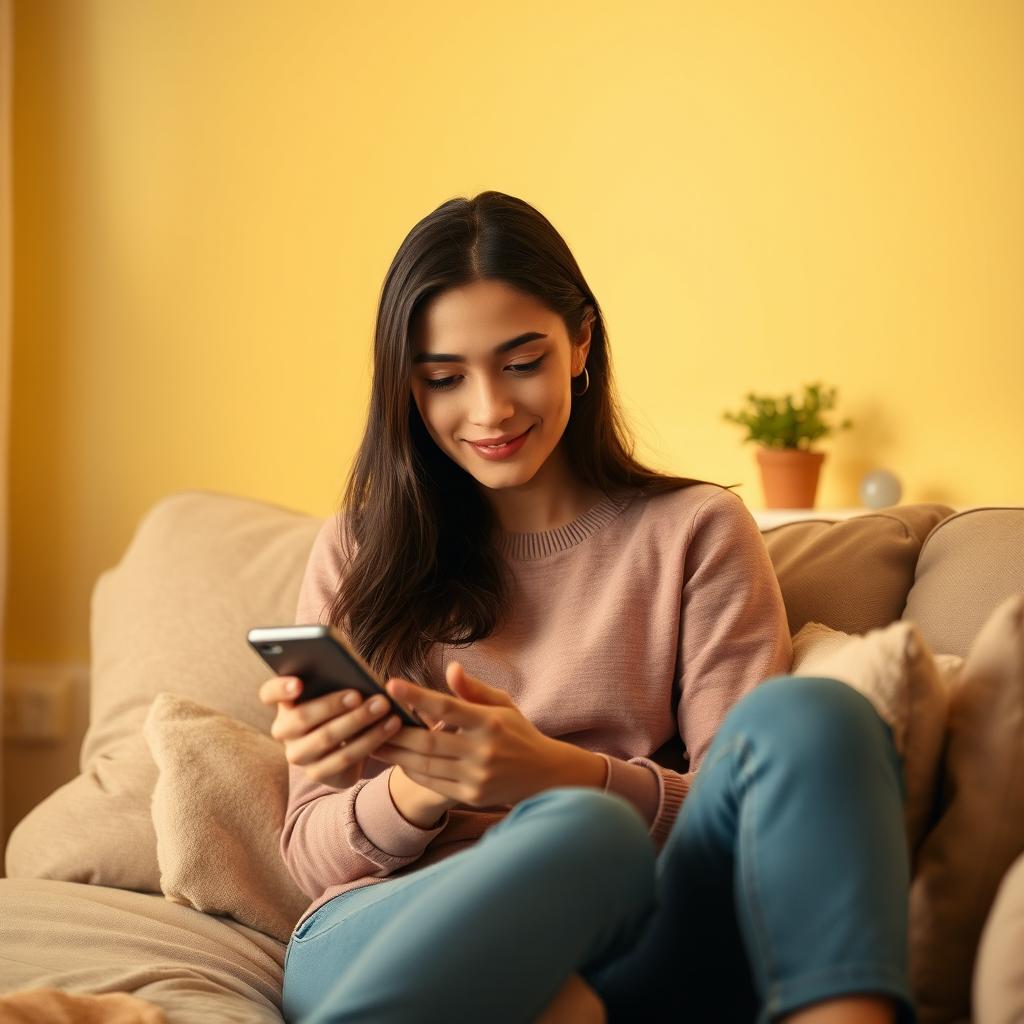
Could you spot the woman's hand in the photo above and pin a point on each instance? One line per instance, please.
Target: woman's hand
(497, 757)
(313, 732)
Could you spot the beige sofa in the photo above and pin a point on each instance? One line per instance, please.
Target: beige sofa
(156, 871)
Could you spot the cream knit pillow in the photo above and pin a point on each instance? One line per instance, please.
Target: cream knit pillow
(218, 811)
(895, 669)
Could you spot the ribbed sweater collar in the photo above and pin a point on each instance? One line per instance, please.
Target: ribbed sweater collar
(541, 544)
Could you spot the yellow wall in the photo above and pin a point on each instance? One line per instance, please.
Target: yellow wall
(761, 194)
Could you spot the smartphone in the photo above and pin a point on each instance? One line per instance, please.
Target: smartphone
(325, 661)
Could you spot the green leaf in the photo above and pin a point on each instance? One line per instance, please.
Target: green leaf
(780, 423)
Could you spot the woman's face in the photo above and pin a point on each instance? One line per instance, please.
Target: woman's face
(466, 391)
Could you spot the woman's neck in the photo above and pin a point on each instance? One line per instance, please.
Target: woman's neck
(551, 499)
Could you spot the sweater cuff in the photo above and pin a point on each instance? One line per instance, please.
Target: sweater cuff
(382, 822)
(636, 784)
(672, 790)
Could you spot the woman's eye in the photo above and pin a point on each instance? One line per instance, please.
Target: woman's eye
(444, 383)
(527, 367)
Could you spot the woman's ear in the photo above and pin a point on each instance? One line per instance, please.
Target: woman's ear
(581, 349)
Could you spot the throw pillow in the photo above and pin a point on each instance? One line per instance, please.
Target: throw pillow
(895, 669)
(218, 810)
(980, 832)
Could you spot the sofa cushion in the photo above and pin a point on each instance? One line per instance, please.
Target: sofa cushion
(201, 569)
(55, 1006)
(94, 939)
(980, 829)
(223, 786)
(998, 983)
(895, 669)
(968, 564)
(851, 574)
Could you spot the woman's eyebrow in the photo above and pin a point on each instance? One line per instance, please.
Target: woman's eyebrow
(436, 357)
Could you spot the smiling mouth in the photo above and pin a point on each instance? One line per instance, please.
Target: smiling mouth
(478, 444)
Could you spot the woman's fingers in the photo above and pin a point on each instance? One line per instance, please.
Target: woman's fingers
(434, 767)
(315, 744)
(354, 751)
(439, 745)
(295, 720)
(276, 689)
(454, 711)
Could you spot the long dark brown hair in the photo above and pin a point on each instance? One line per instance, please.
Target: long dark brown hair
(415, 529)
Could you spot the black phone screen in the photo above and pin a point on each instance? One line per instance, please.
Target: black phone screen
(323, 659)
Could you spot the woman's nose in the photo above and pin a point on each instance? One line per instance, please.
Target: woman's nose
(491, 403)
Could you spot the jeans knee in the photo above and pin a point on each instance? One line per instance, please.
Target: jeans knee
(816, 716)
(602, 831)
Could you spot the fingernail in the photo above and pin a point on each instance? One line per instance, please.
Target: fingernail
(378, 704)
(292, 686)
(350, 700)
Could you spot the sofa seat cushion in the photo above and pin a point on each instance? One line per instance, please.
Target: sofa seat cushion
(91, 939)
(55, 1006)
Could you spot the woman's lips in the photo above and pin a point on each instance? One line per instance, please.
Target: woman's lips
(505, 451)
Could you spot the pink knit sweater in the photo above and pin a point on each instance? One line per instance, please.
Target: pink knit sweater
(643, 616)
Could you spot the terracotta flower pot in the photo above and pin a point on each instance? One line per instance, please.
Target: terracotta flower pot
(789, 476)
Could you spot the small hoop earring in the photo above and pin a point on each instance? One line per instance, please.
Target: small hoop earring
(586, 384)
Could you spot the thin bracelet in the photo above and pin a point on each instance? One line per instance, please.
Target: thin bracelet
(608, 772)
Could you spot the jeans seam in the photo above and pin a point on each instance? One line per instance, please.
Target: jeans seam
(749, 853)
(301, 934)
(720, 755)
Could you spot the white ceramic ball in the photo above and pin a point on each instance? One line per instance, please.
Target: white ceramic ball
(880, 488)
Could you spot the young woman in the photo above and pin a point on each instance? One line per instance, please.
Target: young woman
(560, 615)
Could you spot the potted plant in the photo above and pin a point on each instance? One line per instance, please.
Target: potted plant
(784, 432)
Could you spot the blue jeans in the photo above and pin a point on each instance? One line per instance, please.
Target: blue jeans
(784, 881)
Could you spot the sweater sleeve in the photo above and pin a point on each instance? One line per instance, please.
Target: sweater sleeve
(734, 634)
(333, 836)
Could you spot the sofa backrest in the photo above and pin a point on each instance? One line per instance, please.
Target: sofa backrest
(203, 567)
(944, 570)
(969, 563)
(850, 574)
